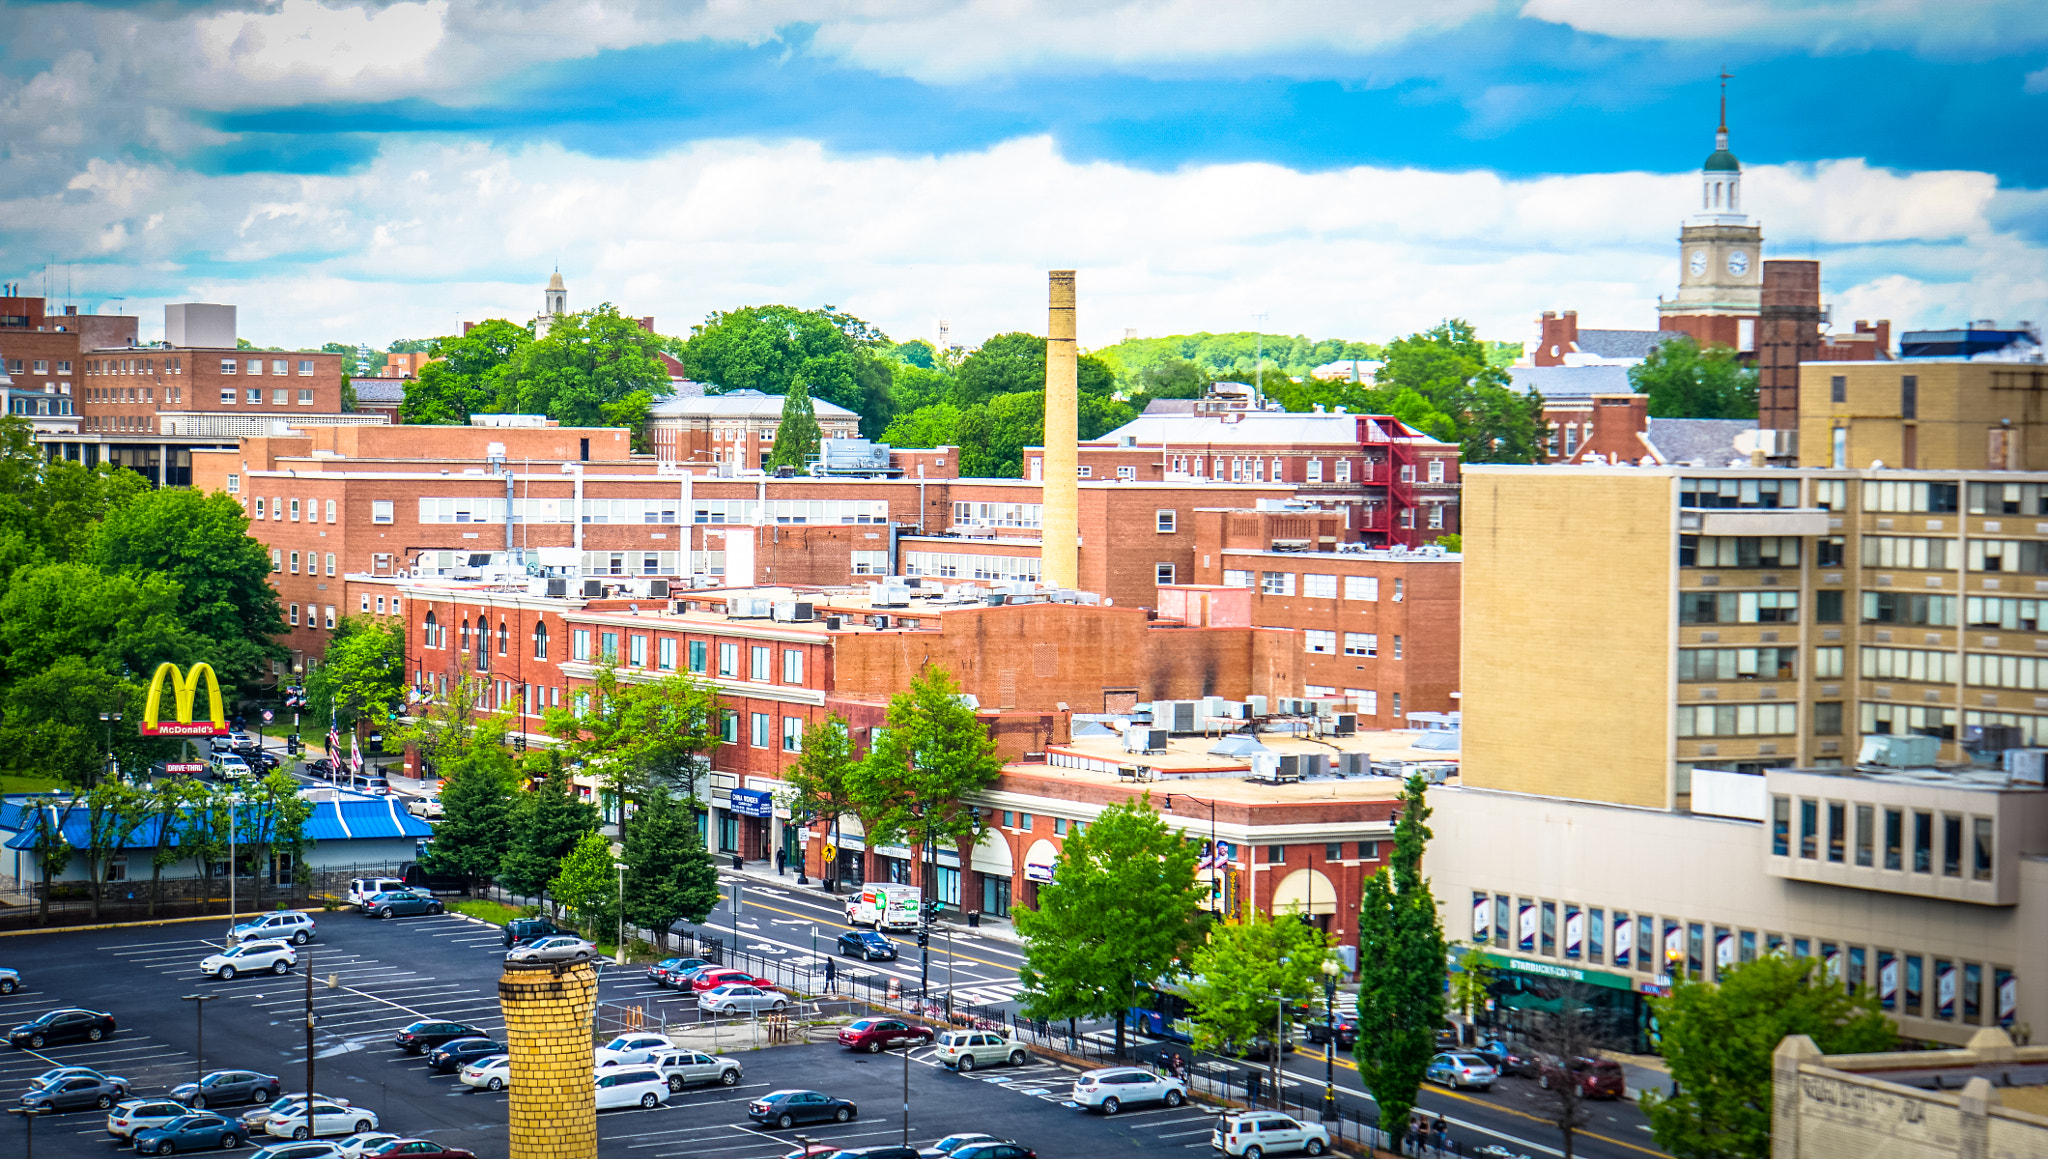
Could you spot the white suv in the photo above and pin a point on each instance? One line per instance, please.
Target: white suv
(967, 1049)
(683, 1067)
(1254, 1134)
(637, 1086)
(284, 925)
(362, 889)
(249, 958)
(627, 1049)
(1108, 1088)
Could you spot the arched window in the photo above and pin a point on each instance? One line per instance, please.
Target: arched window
(431, 631)
(540, 640)
(504, 638)
(465, 634)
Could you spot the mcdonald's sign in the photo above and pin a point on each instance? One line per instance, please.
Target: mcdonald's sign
(184, 688)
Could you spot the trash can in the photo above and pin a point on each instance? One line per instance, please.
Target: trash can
(738, 863)
(974, 918)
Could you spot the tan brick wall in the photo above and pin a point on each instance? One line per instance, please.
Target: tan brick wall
(547, 1026)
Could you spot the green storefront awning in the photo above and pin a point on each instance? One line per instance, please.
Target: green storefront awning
(1559, 971)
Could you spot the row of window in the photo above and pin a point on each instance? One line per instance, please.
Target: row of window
(1646, 944)
(313, 616)
(1366, 700)
(651, 511)
(1355, 643)
(394, 609)
(1740, 607)
(966, 514)
(278, 366)
(1749, 551)
(953, 565)
(1313, 586)
(42, 366)
(127, 366)
(278, 397)
(278, 505)
(1710, 720)
(282, 561)
(1835, 841)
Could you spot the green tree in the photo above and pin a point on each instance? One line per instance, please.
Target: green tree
(1718, 1039)
(588, 885)
(822, 778)
(797, 435)
(50, 509)
(271, 824)
(1685, 382)
(113, 811)
(467, 375)
(1241, 967)
(670, 876)
(1121, 908)
(919, 353)
(595, 368)
(933, 754)
(44, 823)
(547, 822)
(992, 436)
(669, 729)
(1471, 983)
(836, 356)
(1401, 967)
(172, 804)
(1448, 367)
(363, 674)
(477, 793)
(1171, 377)
(936, 425)
(912, 387)
(202, 544)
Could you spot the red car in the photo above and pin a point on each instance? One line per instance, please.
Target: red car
(416, 1149)
(1597, 1077)
(713, 979)
(876, 1035)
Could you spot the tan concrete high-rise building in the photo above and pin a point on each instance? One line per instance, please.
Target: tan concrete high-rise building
(1933, 414)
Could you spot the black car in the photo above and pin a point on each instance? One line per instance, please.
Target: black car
(867, 945)
(1346, 1028)
(227, 1087)
(68, 1025)
(453, 1056)
(391, 905)
(787, 1108)
(422, 1037)
(663, 973)
(321, 767)
(521, 930)
(1509, 1060)
(261, 759)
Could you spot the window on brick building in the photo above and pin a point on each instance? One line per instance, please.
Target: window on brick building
(305, 368)
(1277, 583)
(665, 653)
(1162, 573)
(1397, 647)
(699, 656)
(380, 511)
(1367, 700)
(279, 396)
(757, 732)
(330, 617)
(728, 658)
(579, 644)
(792, 734)
(1361, 643)
(1334, 851)
(227, 366)
(1319, 587)
(540, 641)
(1276, 854)
(792, 666)
(760, 658)
(305, 397)
(637, 651)
(330, 563)
(729, 727)
(1397, 706)
(295, 615)
(295, 563)
(1164, 521)
(1362, 587)
(1324, 643)
(366, 603)
(1368, 851)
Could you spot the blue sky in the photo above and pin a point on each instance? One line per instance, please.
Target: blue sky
(365, 172)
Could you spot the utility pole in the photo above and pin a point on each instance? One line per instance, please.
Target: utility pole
(906, 1094)
(199, 1002)
(307, 965)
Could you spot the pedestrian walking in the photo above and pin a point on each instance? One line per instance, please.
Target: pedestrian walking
(781, 861)
(831, 974)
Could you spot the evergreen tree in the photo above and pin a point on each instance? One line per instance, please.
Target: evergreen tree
(588, 884)
(1121, 908)
(670, 875)
(1719, 1038)
(477, 789)
(547, 821)
(797, 435)
(1401, 968)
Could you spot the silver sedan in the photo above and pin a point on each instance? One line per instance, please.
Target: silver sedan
(737, 998)
(561, 948)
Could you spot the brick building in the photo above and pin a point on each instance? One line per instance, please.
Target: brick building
(41, 353)
(1395, 484)
(735, 431)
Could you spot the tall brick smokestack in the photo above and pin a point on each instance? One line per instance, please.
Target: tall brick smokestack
(1060, 553)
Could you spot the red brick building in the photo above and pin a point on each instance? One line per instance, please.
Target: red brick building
(42, 353)
(736, 430)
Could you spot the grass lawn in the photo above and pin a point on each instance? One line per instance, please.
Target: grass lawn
(496, 913)
(14, 784)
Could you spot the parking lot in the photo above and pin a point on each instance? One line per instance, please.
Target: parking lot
(370, 978)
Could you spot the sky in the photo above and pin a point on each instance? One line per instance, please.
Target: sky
(363, 172)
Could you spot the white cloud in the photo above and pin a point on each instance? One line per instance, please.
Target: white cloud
(1820, 25)
(432, 233)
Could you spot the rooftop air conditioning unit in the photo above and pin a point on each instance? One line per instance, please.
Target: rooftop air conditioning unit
(1179, 716)
(1354, 764)
(593, 589)
(1344, 724)
(1899, 752)
(1216, 706)
(832, 623)
(1293, 766)
(793, 612)
(1144, 740)
(1257, 705)
(675, 607)
(748, 608)
(558, 587)
(1326, 706)
(2027, 766)
(887, 596)
(657, 589)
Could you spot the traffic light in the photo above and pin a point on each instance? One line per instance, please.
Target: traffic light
(924, 937)
(519, 742)
(291, 744)
(932, 909)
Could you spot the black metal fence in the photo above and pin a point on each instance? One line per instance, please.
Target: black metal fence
(129, 900)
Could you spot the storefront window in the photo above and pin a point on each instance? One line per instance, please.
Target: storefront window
(995, 895)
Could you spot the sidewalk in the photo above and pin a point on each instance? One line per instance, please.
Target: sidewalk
(1642, 1072)
(999, 929)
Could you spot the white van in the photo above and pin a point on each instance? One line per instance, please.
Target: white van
(628, 1088)
(362, 889)
(884, 907)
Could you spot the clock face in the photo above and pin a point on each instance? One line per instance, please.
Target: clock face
(1698, 265)
(1738, 263)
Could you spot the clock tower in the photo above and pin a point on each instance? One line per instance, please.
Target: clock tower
(1720, 257)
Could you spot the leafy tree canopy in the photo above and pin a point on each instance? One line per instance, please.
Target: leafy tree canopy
(670, 876)
(468, 376)
(838, 357)
(595, 368)
(1242, 965)
(1232, 357)
(363, 674)
(1401, 967)
(798, 434)
(933, 753)
(1685, 382)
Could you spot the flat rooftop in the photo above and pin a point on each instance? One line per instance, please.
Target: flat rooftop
(1189, 766)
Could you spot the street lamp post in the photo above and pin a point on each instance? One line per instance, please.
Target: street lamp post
(1330, 972)
(199, 1002)
(232, 802)
(621, 955)
(108, 720)
(28, 1116)
(1213, 868)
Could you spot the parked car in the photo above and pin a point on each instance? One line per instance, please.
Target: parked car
(426, 807)
(313, 1149)
(1461, 1071)
(235, 742)
(422, 1037)
(253, 1121)
(663, 973)
(453, 1056)
(375, 786)
(527, 930)
(329, 1118)
(785, 1109)
(1003, 1150)
(704, 980)
(740, 998)
(1509, 1060)
(229, 767)
(362, 889)
(286, 925)
(69, 1024)
(887, 1151)
(142, 1115)
(639, 1047)
(560, 948)
(75, 1093)
(1257, 1133)
(355, 1146)
(321, 767)
(967, 1049)
(867, 945)
(227, 1087)
(1108, 1089)
(684, 1067)
(1345, 1026)
(395, 903)
(65, 1072)
(952, 1143)
(199, 1131)
(631, 1086)
(10, 980)
(1597, 1077)
(491, 1073)
(876, 1035)
(420, 1149)
(250, 958)
(262, 760)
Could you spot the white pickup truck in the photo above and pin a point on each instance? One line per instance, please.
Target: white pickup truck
(884, 907)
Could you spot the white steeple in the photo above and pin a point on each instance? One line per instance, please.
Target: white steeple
(554, 304)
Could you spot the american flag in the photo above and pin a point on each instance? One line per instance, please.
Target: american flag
(333, 741)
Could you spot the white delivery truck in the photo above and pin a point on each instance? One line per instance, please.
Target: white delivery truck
(884, 907)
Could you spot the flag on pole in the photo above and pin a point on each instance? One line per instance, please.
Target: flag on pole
(333, 741)
(355, 756)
